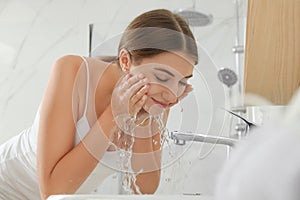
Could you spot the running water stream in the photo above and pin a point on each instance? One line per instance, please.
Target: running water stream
(124, 144)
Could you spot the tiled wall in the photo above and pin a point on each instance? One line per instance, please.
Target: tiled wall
(33, 34)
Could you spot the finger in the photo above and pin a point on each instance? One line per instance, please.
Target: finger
(125, 78)
(188, 87)
(187, 90)
(139, 104)
(131, 80)
(185, 94)
(135, 98)
(182, 96)
(135, 78)
(123, 82)
(136, 87)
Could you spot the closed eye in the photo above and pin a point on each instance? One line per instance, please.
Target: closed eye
(162, 79)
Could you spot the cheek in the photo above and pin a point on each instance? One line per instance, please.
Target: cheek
(173, 87)
(153, 92)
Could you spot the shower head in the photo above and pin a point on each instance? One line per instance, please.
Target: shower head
(195, 18)
(227, 76)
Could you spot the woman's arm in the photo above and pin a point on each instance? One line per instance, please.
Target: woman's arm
(62, 168)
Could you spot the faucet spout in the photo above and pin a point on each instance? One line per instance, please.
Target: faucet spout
(180, 138)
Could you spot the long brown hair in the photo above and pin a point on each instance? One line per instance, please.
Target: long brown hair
(158, 31)
(155, 32)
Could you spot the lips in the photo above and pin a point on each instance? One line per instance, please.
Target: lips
(160, 103)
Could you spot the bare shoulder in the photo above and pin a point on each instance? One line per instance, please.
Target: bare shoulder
(70, 59)
(68, 62)
(65, 69)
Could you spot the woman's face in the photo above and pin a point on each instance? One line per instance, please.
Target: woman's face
(168, 74)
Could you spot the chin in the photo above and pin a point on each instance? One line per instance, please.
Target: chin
(152, 108)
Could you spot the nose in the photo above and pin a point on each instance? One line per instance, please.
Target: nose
(169, 96)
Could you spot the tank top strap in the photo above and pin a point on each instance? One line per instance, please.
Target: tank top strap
(87, 85)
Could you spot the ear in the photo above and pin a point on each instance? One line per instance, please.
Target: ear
(125, 60)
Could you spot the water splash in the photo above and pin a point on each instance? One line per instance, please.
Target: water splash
(124, 142)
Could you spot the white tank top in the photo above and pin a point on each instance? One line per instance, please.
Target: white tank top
(109, 161)
(18, 168)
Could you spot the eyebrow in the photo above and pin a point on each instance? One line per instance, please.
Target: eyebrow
(168, 72)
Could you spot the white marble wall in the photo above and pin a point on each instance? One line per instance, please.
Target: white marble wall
(34, 33)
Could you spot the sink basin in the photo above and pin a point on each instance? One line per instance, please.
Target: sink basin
(129, 197)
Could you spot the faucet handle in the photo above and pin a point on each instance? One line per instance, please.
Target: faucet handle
(250, 124)
(172, 135)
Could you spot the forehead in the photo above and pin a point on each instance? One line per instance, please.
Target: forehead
(173, 62)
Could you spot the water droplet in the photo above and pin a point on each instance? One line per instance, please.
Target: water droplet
(168, 179)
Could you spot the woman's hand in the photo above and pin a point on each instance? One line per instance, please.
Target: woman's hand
(186, 91)
(128, 98)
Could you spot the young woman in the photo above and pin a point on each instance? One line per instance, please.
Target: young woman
(94, 108)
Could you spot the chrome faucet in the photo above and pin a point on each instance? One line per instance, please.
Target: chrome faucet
(180, 138)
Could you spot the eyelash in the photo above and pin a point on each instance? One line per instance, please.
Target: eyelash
(162, 80)
(165, 80)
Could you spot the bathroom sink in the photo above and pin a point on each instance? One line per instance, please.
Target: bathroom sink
(129, 197)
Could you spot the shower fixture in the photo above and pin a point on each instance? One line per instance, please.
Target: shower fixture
(227, 76)
(195, 18)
